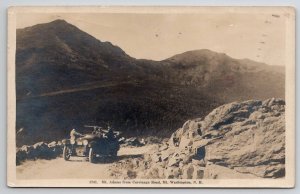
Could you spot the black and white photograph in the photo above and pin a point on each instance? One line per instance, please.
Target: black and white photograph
(151, 97)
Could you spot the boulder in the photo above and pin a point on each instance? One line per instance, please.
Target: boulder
(20, 156)
(198, 172)
(156, 158)
(122, 140)
(186, 127)
(197, 162)
(55, 149)
(166, 154)
(187, 171)
(131, 174)
(52, 144)
(213, 171)
(163, 147)
(251, 144)
(256, 115)
(174, 162)
(273, 101)
(40, 145)
(185, 142)
(186, 159)
(59, 143)
(176, 158)
(133, 142)
(172, 173)
(155, 172)
(230, 113)
(24, 148)
(265, 171)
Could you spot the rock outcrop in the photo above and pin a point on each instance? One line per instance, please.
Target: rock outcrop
(40, 150)
(236, 140)
(133, 141)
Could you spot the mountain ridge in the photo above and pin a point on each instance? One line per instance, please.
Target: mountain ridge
(105, 85)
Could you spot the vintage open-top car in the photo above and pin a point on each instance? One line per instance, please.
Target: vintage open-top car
(92, 146)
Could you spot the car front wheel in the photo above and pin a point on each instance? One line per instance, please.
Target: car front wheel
(67, 153)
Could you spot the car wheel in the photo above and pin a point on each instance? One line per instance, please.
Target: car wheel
(66, 153)
(91, 155)
(115, 153)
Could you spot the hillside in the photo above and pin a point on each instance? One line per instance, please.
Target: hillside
(243, 140)
(66, 78)
(227, 78)
(58, 55)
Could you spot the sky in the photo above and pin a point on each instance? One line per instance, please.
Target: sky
(157, 36)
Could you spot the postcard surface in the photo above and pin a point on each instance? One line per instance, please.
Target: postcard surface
(151, 97)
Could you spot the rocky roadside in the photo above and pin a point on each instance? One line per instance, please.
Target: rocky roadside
(43, 150)
(40, 150)
(236, 140)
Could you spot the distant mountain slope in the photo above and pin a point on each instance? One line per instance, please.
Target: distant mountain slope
(66, 78)
(62, 55)
(227, 78)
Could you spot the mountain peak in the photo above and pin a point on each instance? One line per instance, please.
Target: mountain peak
(55, 24)
(65, 44)
(197, 53)
(198, 56)
(59, 21)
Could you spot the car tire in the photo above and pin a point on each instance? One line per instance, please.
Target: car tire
(91, 155)
(66, 153)
(115, 153)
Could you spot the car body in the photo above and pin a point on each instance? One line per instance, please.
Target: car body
(91, 146)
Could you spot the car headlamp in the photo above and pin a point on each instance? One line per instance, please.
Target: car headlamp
(85, 142)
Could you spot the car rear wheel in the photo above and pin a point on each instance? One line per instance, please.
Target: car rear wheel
(114, 153)
(91, 155)
(66, 153)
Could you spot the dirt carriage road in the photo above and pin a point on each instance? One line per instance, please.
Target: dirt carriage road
(77, 167)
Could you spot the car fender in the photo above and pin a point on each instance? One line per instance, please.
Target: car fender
(92, 144)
